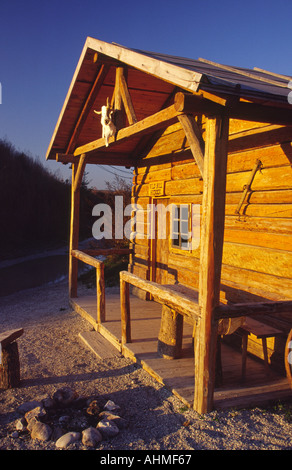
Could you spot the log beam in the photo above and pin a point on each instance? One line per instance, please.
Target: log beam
(150, 124)
(252, 309)
(261, 113)
(98, 158)
(197, 104)
(87, 259)
(164, 295)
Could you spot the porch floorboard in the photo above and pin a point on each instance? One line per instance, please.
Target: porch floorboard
(177, 375)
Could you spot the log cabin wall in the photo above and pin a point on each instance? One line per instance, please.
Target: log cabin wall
(257, 252)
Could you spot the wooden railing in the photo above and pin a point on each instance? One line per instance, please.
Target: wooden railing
(87, 257)
(161, 294)
(188, 307)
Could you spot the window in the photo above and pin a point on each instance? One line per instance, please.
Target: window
(181, 226)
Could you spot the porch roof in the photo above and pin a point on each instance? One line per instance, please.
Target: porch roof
(152, 80)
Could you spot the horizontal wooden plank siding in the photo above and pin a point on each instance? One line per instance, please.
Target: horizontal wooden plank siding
(257, 252)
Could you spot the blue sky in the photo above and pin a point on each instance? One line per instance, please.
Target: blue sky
(41, 41)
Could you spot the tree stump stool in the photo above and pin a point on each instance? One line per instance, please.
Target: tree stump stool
(9, 359)
(170, 334)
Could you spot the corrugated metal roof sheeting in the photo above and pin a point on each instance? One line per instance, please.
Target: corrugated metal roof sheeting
(217, 77)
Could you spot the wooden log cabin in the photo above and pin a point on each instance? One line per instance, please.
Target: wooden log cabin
(197, 135)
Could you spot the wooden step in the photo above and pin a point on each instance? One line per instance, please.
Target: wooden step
(99, 345)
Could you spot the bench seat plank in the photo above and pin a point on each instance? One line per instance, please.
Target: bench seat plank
(260, 330)
(8, 336)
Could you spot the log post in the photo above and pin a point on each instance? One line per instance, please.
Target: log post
(120, 117)
(100, 292)
(77, 172)
(170, 334)
(10, 367)
(213, 213)
(9, 359)
(125, 311)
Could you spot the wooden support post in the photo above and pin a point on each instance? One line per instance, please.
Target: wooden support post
(120, 120)
(100, 292)
(125, 311)
(213, 212)
(170, 334)
(129, 108)
(74, 234)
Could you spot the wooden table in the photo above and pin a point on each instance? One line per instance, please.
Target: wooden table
(261, 331)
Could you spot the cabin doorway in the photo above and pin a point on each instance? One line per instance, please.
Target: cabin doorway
(160, 232)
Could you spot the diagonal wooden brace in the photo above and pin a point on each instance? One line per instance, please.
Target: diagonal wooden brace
(79, 174)
(194, 137)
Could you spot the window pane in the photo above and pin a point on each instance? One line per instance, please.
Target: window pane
(180, 226)
(184, 227)
(184, 212)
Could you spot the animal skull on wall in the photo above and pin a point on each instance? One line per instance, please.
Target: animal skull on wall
(108, 127)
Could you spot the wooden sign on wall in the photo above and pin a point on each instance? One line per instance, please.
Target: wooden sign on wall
(156, 189)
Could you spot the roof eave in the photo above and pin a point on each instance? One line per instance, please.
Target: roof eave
(178, 76)
(184, 78)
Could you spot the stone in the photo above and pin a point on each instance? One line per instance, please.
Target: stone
(21, 424)
(41, 431)
(107, 428)
(91, 437)
(65, 396)
(68, 439)
(32, 422)
(36, 412)
(28, 406)
(111, 406)
(117, 420)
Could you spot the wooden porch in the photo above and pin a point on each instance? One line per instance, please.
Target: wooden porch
(258, 388)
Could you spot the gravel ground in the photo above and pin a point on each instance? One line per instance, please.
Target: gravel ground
(52, 356)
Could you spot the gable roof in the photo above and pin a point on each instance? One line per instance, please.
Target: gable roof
(153, 78)
(224, 78)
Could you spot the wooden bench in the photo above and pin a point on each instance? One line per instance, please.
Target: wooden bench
(261, 331)
(9, 359)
